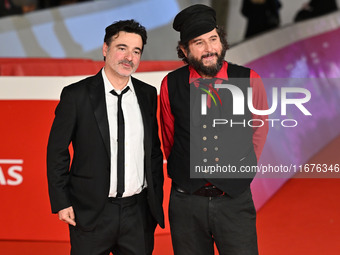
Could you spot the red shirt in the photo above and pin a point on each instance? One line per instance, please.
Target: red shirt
(259, 103)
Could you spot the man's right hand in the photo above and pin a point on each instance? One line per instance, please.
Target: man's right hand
(67, 215)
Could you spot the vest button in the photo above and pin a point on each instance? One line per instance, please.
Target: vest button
(205, 149)
(204, 138)
(215, 137)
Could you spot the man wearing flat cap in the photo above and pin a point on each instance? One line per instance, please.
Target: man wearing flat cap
(205, 128)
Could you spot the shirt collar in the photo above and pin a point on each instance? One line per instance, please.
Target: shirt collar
(222, 74)
(108, 86)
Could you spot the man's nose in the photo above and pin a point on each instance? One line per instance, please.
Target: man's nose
(208, 47)
(128, 55)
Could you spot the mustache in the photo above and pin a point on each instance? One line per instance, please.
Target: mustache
(127, 62)
(209, 55)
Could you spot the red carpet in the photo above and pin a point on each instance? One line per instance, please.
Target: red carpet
(304, 215)
(303, 218)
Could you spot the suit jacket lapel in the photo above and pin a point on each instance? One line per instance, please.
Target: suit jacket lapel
(98, 101)
(146, 113)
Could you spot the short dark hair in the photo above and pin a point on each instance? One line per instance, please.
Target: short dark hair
(129, 26)
(221, 33)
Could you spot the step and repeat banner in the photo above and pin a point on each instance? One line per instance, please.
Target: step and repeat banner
(299, 65)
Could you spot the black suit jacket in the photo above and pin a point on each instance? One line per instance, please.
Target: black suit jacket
(81, 120)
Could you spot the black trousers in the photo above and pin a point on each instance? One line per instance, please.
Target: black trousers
(198, 222)
(125, 227)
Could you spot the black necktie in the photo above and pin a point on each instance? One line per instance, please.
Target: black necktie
(121, 144)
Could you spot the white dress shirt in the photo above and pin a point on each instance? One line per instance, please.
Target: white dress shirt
(134, 139)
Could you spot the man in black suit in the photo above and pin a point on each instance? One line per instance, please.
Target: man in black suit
(111, 194)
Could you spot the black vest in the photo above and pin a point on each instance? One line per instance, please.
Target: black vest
(198, 145)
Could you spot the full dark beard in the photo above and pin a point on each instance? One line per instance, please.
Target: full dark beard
(209, 71)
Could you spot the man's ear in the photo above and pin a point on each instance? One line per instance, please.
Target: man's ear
(105, 47)
(184, 51)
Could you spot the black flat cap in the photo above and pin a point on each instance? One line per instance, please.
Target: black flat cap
(194, 21)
